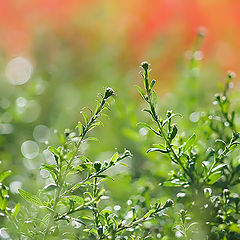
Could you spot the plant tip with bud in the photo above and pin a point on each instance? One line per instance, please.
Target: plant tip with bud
(145, 65)
(231, 74)
(168, 203)
(108, 93)
(202, 31)
(127, 153)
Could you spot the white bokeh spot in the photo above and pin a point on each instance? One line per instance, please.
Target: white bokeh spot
(30, 149)
(18, 71)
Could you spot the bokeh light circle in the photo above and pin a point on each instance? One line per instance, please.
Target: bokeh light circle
(41, 133)
(30, 149)
(18, 71)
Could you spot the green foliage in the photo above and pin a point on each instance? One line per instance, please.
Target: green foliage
(90, 191)
(70, 202)
(6, 212)
(204, 170)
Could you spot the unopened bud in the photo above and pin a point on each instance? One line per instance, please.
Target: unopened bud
(145, 65)
(231, 74)
(127, 153)
(108, 93)
(217, 96)
(168, 203)
(169, 113)
(226, 193)
(235, 135)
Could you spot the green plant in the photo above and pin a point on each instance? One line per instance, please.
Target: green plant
(6, 212)
(75, 199)
(206, 171)
(184, 228)
(70, 205)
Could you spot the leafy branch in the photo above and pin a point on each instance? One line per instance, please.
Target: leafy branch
(166, 130)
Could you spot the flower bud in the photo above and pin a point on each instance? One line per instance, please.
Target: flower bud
(145, 65)
(226, 193)
(168, 203)
(169, 113)
(217, 96)
(127, 153)
(108, 93)
(97, 166)
(235, 135)
(231, 74)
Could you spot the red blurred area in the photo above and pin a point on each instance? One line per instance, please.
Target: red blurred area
(140, 22)
(20, 18)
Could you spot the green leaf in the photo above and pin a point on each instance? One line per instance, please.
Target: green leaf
(61, 138)
(51, 168)
(5, 202)
(173, 183)
(80, 128)
(221, 141)
(173, 115)
(76, 186)
(53, 150)
(234, 228)
(149, 213)
(152, 83)
(31, 198)
(5, 175)
(86, 165)
(157, 150)
(50, 187)
(105, 176)
(105, 212)
(214, 177)
(85, 117)
(144, 125)
(174, 132)
(149, 127)
(219, 167)
(189, 142)
(98, 123)
(114, 158)
(124, 164)
(78, 200)
(92, 139)
(16, 210)
(78, 169)
(154, 99)
(148, 111)
(159, 145)
(140, 91)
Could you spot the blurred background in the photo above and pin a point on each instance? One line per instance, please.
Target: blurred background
(56, 56)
